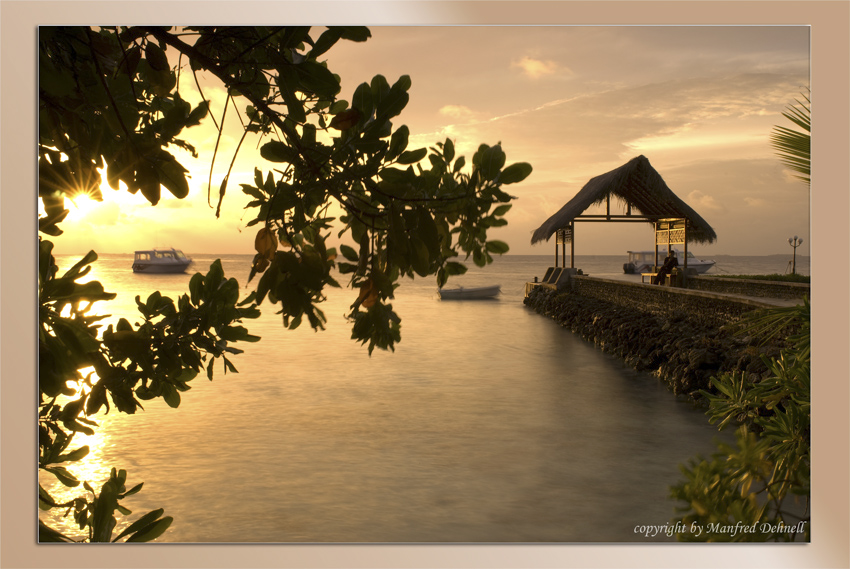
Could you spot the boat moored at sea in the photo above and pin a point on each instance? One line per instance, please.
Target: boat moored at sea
(644, 261)
(169, 260)
(472, 293)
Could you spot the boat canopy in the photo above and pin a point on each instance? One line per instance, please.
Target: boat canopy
(161, 254)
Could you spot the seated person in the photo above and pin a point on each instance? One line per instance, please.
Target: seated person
(670, 262)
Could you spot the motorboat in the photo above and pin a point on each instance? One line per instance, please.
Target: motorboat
(471, 293)
(161, 261)
(644, 261)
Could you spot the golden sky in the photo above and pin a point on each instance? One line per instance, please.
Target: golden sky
(698, 101)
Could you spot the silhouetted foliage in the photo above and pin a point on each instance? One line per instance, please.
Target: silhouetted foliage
(109, 98)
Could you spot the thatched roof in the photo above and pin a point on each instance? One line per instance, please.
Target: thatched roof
(637, 183)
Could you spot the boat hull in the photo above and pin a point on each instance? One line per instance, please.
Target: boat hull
(160, 268)
(475, 293)
(700, 268)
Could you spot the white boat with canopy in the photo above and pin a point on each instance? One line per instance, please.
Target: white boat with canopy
(644, 261)
(161, 261)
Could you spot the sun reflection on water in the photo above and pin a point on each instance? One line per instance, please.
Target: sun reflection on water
(91, 468)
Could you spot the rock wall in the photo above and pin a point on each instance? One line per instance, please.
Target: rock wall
(750, 287)
(705, 308)
(664, 335)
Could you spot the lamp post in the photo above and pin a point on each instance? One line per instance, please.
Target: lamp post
(794, 242)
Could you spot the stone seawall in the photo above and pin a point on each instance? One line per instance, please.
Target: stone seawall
(750, 287)
(683, 341)
(705, 307)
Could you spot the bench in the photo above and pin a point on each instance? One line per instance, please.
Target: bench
(647, 277)
(672, 279)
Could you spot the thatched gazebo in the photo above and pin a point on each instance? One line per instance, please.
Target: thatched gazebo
(637, 184)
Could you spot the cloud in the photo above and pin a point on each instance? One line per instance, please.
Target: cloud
(174, 203)
(701, 201)
(754, 202)
(105, 213)
(536, 68)
(456, 111)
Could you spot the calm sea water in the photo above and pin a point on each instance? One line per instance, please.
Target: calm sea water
(489, 423)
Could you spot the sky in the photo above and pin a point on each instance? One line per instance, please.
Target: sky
(699, 102)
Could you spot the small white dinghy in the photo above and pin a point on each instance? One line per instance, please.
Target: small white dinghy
(472, 293)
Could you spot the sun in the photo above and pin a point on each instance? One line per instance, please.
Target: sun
(83, 203)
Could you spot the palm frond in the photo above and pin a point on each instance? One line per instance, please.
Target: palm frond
(792, 146)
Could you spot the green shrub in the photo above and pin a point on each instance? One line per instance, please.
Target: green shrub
(759, 488)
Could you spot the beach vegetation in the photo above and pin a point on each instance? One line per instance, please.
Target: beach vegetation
(763, 480)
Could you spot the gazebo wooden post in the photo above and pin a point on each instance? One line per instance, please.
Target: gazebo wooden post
(564, 252)
(572, 245)
(563, 248)
(655, 245)
(556, 249)
(685, 264)
(670, 227)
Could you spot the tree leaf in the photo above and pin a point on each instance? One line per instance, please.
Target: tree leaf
(142, 522)
(277, 151)
(501, 210)
(491, 161)
(421, 259)
(498, 247)
(362, 100)
(394, 101)
(368, 294)
(173, 177)
(156, 57)
(449, 150)
(147, 179)
(171, 395)
(152, 531)
(73, 456)
(455, 268)
(412, 156)
(265, 243)
(354, 33)
(380, 89)
(398, 142)
(198, 114)
(317, 79)
(396, 176)
(63, 475)
(346, 119)
(287, 80)
(515, 173)
(349, 253)
(326, 41)
(426, 229)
